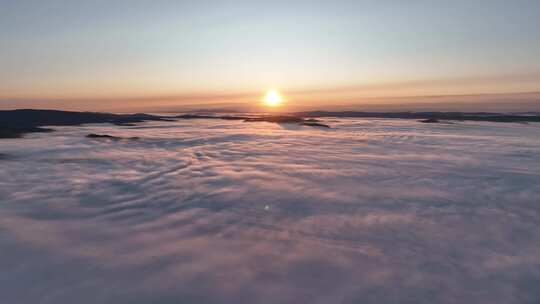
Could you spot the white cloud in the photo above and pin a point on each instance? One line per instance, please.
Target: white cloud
(371, 211)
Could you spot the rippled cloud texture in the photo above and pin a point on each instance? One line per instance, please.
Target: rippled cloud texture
(370, 211)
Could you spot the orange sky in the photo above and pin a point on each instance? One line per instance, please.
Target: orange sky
(478, 92)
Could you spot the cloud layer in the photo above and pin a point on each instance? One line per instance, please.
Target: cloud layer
(370, 211)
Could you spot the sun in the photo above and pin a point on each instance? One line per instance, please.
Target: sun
(273, 99)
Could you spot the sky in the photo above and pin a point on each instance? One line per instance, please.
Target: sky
(320, 54)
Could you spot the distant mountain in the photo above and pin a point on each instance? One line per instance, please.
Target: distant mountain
(15, 123)
(27, 117)
(459, 116)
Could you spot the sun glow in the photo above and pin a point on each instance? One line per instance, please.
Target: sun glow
(273, 98)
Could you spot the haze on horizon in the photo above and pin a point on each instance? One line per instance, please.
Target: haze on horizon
(166, 55)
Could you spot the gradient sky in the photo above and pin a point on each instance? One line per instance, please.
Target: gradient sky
(93, 54)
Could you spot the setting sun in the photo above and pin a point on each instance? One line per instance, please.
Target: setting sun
(273, 98)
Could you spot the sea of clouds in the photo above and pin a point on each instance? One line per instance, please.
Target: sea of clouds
(211, 211)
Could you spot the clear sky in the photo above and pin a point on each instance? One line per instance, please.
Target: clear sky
(124, 53)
